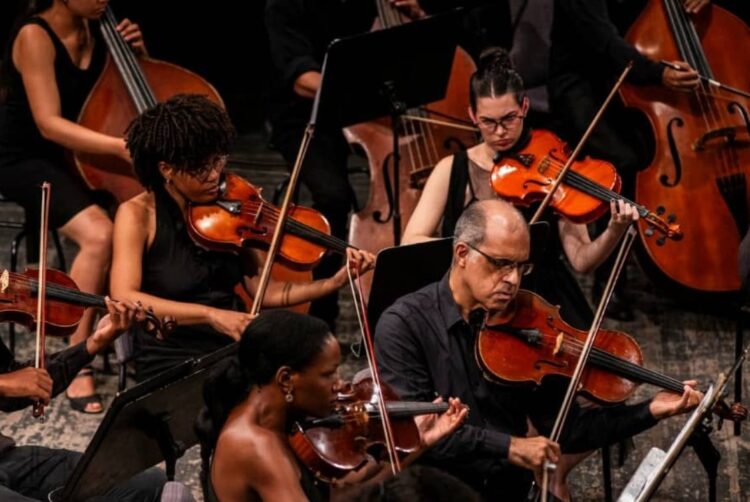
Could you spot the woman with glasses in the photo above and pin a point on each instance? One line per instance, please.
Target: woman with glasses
(498, 108)
(179, 150)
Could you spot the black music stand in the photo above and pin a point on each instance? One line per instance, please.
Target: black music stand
(145, 424)
(402, 270)
(382, 74)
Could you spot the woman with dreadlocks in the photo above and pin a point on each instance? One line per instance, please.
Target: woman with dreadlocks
(54, 56)
(179, 150)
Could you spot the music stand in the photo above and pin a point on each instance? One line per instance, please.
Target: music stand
(145, 424)
(382, 74)
(402, 270)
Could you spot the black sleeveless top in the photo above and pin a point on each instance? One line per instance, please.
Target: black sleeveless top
(176, 268)
(550, 278)
(19, 136)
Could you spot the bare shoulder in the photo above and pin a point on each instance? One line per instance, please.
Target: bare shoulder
(33, 40)
(252, 445)
(139, 207)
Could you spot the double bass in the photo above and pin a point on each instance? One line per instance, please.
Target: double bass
(422, 145)
(701, 162)
(127, 87)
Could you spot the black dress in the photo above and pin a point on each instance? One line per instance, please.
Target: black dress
(551, 278)
(26, 158)
(175, 268)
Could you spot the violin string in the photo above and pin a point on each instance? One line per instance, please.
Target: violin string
(272, 214)
(610, 361)
(62, 292)
(316, 237)
(590, 186)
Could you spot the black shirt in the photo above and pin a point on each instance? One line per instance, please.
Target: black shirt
(61, 366)
(586, 44)
(425, 348)
(299, 33)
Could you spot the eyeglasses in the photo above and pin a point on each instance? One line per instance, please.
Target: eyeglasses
(508, 122)
(505, 266)
(203, 172)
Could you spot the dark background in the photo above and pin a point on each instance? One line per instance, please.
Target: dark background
(226, 46)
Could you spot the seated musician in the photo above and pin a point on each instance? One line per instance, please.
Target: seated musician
(498, 108)
(54, 57)
(286, 369)
(179, 151)
(33, 472)
(424, 344)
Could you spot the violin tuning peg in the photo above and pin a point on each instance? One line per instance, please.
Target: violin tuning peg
(649, 231)
(660, 210)
(671, 218)
(661, 241)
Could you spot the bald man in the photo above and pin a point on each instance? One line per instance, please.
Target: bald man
(424, 345)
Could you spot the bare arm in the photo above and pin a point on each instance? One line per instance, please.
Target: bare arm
(129, 244)
(284, 294)
(34, 56)
(307, 84)
(584, 254)
(424, 222)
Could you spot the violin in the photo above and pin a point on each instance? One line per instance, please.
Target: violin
(242, 218)
(64, 303)
(525, 177)
(531, 341)
(333, 446)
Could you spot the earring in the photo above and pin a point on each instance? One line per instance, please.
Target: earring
(289, 397)
(168, 181)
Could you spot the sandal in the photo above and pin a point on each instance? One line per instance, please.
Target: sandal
(81, 403)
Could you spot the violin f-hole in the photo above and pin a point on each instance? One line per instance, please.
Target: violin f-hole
(554, 364)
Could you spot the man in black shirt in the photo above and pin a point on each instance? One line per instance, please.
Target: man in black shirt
(32, 472)
(424, 344)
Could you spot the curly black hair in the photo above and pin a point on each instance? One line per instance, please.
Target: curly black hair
(186, 131)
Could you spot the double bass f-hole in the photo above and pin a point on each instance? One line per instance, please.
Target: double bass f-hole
(678, 122)
(388, 189)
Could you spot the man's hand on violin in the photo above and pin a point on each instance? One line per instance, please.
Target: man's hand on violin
(229, 322)
(410, 8)
(666, 404)
(131, 33)
(679, 76)
(434, 427)
(532, 453)
(119, 317)
(359, 261)
(622, 215)
(33, 383)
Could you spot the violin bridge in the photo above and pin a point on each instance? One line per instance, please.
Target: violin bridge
(4, 281)
(558, 343)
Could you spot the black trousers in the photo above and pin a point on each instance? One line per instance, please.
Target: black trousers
(31, 472)
(324, 173)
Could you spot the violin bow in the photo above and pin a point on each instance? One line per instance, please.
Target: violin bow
(39, 356)
(564, 171)
(364, 326)
(625, 246)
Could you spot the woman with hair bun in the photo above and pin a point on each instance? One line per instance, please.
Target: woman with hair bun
(498, 107)
(286, 369)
